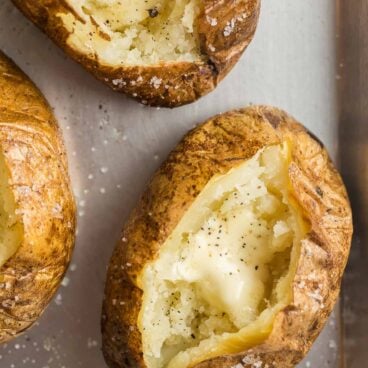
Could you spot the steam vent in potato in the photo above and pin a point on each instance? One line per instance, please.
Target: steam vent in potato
(160, 52)
(234, 255)
(37, 212)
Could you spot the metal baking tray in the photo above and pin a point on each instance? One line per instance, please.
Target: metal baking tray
(115, 144)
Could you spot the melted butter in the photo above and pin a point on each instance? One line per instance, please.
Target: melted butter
(224, 272)
(226, 258)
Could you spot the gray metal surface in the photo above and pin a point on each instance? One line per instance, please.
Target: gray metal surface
(115, 144)
(353, 65)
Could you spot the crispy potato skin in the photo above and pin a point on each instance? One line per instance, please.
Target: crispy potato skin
(182, 82)
(35, 155)
(213, 148)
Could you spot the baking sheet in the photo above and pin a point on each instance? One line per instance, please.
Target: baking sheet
(115, 144)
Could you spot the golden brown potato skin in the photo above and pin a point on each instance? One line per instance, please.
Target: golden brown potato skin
(35, 155)
(182, 82)
(213, 148)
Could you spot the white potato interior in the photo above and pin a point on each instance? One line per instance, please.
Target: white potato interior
(11, 229)
(226, 269)
(135, 32)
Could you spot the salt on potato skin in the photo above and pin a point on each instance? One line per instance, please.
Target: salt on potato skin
(190, 46)
(42, 211)
(213, 148)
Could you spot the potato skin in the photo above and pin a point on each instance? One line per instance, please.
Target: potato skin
(213, 148)
(35, 155)
(181, 82)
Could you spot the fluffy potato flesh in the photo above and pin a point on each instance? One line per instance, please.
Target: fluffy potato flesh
(226, 269)
(132, 32)
(11, 229)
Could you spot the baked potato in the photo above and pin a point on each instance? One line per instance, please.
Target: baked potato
(160, 52)
(234, 255)
(37, 211)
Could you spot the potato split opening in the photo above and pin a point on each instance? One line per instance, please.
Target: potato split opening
(11, 229)
(135, 32)
(226, 269)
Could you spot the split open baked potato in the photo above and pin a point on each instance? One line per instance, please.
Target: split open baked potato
(234, 255)
(37, 211)
(161, 52)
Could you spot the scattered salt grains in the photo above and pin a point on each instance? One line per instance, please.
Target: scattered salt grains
(119, 82)
(59, 299)
(118, 186)
(90, 177)
(104, 169)
(124, 137)
(66, 281)
(254, 361)
(332, 344)
(81, 213)
(93, 149)
(211, 21)
(156, 82)
(102, 190)
(91, 343)
(82, 203)
(308, 364)
(229, 28)
(17, 346)
(124, 239)
(156, 157)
